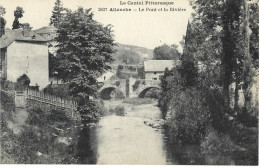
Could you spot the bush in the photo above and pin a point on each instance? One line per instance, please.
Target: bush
(189, 110)
(7, 102)
(136, 85)
(118, 110)
(153, 93)
(58, 90)
(216, 142)
(57, 116)
(7, 108)
(22, 82)
(187, 117)
(214, 101)
(89, 112)
(247, 119)
(37, 117)
(7, 85)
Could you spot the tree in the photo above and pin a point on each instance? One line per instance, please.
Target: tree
(166, 52)
(85, 48)
(224, 37)
(53, 64)
(18, 13)
(249, 50)
(230, 19)
(2, 20)
(23, 82)
(57, 14)
(128, 57)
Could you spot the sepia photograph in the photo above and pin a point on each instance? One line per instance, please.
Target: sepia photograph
(129, 82)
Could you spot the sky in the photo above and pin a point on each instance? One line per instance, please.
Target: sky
(146, 29)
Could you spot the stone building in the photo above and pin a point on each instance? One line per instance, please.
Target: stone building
(24, 52)
(155, 68)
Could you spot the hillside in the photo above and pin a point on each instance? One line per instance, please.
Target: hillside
(132, 54)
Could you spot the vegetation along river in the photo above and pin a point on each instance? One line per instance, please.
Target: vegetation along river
(129, 139)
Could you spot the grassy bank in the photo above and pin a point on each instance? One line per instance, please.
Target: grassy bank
(42, 138)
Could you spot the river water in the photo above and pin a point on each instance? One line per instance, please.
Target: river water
(127, 140)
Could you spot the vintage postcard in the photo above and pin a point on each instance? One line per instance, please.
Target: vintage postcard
(129, 82)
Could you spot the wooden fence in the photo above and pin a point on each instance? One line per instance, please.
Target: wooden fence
(22, 96)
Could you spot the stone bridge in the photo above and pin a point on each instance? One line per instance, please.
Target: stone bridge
(126, 88)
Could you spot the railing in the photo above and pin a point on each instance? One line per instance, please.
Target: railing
(21, 96)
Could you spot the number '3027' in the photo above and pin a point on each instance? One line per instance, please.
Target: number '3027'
(102, 9)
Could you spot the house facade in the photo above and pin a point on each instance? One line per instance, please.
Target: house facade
(154, 69)
(49, 33)
(24, 52)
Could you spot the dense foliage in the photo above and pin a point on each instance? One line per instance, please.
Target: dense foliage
(22, 82)
(2, 20)
(166, 52)
(57, 14)
(153, 93)
(85, 48)
(18, 13)
(199, 98)
(129, 57)
(89, 112)
(36, 142)
(53, 64)
(61, 90)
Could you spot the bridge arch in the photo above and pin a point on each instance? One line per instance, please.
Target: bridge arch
(144, 91)
(111, 92)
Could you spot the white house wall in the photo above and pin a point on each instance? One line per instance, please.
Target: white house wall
(30, 59)
(152, 75)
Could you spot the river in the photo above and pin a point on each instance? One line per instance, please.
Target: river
(127, 140)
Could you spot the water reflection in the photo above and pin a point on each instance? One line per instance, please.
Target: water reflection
(127, 140)
(87, 146)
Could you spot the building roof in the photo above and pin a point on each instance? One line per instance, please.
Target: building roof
(46, 29)
(17, 35)
(158, 65)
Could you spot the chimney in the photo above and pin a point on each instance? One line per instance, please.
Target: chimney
(26, 29)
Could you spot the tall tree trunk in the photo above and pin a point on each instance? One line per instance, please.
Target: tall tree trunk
(228, 54)
(247, 74)
(236, 92)
(230, 40)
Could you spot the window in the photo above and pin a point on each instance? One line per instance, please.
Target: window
(154, 78)
(155, 73)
